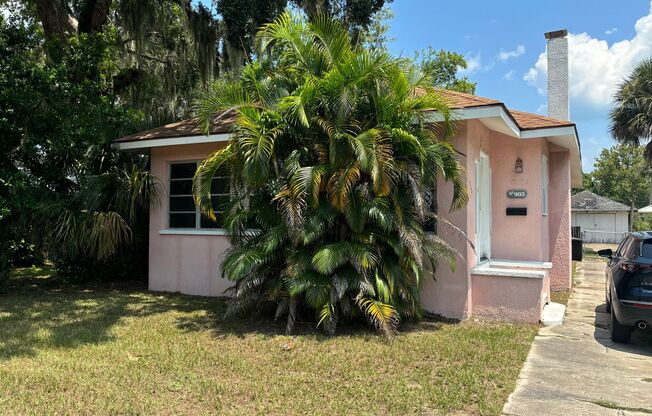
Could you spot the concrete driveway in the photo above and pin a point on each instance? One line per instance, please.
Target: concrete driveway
(576, 369)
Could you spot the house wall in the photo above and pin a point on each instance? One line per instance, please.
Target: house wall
(191, 263)
(458, 293)
(182, 263)
(505, 298)
(450, 294)
(518, 237)
(560, 219)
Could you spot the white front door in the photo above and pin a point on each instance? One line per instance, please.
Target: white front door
(483, 207)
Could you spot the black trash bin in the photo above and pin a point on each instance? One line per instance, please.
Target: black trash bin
(576, 249)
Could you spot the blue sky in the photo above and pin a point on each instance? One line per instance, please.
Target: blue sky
(503, 42)
(504, 45)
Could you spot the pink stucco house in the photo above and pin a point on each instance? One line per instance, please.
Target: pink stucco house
(520, 168)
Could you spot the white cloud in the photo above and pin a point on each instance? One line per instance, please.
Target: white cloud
(596, 68)
(509, 75)
(505, 55)
(474, 63)
(542, 109)
(611, 31)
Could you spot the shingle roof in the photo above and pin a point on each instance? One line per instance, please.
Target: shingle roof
(462, 100)
(223, 122)
(588, 201)
(528, 121)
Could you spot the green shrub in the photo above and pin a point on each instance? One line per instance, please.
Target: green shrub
(331, 167)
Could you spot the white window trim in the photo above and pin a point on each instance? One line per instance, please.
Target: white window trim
(193, 231)
(186, 231)
(545, 185)
(483, 246)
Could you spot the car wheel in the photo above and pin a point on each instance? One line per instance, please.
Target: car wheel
(607, 302)
(619, 332)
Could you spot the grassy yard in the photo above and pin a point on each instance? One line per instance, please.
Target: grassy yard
(118, 350)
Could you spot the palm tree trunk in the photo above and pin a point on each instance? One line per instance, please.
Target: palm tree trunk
(292, 315)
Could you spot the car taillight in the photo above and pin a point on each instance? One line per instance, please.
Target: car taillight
(641, 305)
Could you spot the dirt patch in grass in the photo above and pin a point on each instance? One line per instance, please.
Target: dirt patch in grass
(108, 351)
(560, 296)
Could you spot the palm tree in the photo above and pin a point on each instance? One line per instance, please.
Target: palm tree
(329, 165)
(97, 221)
(631, 118)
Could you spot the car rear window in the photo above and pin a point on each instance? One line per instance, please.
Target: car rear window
(646, 249)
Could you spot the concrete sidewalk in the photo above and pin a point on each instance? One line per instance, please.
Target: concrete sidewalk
(576, 369)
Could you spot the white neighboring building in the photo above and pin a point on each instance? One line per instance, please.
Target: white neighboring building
(600, 219)
(645, 210)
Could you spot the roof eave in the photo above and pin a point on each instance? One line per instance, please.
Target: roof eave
(503, 122)
(136, 145)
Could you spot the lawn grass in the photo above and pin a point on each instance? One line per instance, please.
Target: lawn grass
(560, 296)
(94, 349)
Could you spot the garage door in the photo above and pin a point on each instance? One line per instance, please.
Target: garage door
(600, 228)
(605, 227)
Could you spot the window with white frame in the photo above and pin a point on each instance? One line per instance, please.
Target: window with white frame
(544, 185)
(182, 211)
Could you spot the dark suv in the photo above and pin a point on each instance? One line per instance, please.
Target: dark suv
(628, 287)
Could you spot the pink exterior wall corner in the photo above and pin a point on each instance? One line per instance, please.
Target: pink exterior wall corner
(560, 220)
(460, 294)
(449, 293)
(187, 264)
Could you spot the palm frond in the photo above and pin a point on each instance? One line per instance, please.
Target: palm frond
(329, 257)
(203, 179)
(382, 315)
(340, 185)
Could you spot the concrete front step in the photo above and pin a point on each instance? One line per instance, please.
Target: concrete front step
(521, 264)
(553, 314)
(506, 272)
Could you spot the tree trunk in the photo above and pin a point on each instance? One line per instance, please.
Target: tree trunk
(292, 315)
(631, 216)
(56, 18)
(4, 257)
(94, 15)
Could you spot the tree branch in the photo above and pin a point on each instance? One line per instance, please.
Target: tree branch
(93, 16)
(56, 18)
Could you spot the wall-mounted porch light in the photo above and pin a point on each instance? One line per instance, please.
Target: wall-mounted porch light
(518, 166)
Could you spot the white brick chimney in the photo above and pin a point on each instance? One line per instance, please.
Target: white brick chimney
(558, 102)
